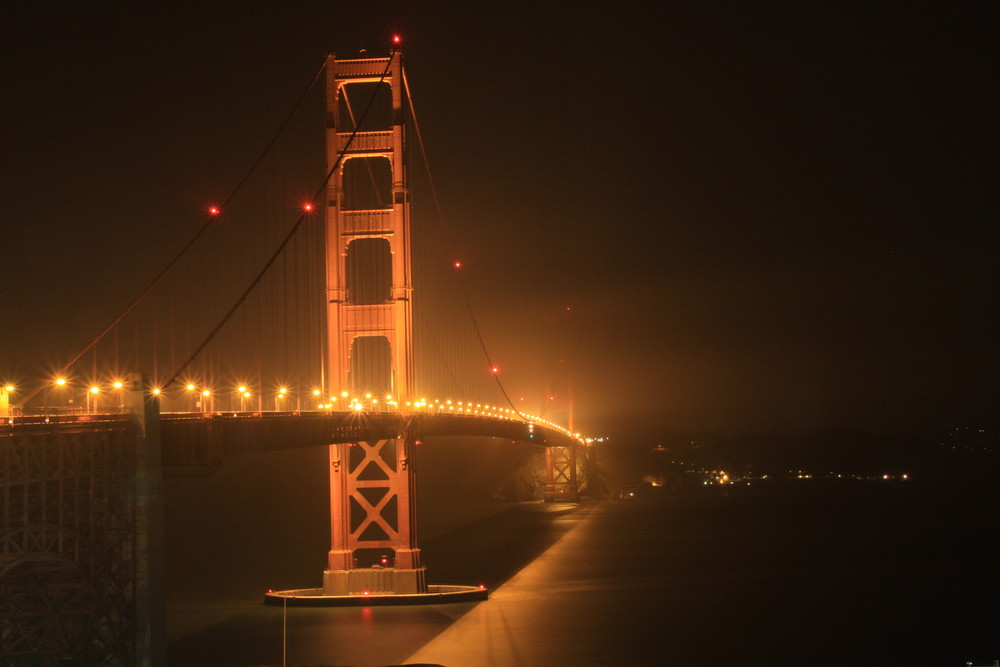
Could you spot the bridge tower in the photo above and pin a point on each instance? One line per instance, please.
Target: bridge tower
(560, 461)
(369, 282)
(369, 326)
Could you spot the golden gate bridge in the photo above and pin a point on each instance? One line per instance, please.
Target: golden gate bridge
(319, 303)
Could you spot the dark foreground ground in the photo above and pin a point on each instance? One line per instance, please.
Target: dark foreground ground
(806, 572)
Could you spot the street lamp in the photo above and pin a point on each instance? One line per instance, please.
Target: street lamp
(5, 393)
(190, 389)
(92, 399)
(244, 393)
(59, 382)
(280, 395)
(206, 397)
(118, 385)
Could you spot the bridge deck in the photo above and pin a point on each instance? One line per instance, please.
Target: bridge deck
(205, 439)
(199, 439)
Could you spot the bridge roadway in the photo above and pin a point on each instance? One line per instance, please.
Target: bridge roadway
(204, 439)
(195, 439)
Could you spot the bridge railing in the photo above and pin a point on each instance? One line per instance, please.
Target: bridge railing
(13, 422)
(72, 410)
(395, 412)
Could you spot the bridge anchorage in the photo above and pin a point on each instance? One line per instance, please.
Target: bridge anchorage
(374, 556)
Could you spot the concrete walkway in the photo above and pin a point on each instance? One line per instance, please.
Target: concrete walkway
(562, 609)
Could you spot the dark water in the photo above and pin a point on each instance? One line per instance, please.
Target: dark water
(809, 572)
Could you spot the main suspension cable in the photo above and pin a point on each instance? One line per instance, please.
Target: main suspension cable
(183, 251)
(451, 248)
(291, 232)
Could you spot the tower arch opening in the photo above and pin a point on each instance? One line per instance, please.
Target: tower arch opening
(367, 183)
(371, 366)
(352, 101)
(369, 272)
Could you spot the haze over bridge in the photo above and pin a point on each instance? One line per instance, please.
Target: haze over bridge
(288, 321)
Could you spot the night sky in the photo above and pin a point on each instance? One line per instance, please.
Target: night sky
(761, 216)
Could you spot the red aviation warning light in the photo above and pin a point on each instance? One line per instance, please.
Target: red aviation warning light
(307, 207)
(457, 265)
(397, 40)
(214, 210)
(495, 370)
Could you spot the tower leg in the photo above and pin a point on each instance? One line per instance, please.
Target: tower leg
(560, 475)
(373, 545)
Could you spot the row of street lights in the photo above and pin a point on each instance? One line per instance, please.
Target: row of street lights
(203, 400)
(245, 396)
(91, 393)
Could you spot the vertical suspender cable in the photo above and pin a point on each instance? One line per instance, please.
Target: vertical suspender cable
(284, 242)
(173, 262)
(437, 203)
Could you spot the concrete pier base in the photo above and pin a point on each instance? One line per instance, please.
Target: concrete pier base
(374, 581)
(317, 597)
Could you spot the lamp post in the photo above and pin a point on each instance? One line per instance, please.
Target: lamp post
(5, 392)
(118, 385)
(92, 399)
(245, 394)
(60, 382)
(190, 389)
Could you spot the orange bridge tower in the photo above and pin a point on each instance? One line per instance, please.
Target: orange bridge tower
(369, 326)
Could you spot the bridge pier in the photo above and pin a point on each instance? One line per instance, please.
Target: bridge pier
(560, 475)
(81, 541)
(373, 528)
